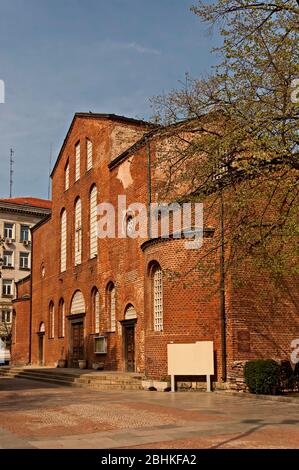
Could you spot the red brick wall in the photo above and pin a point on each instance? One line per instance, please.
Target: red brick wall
(264, 312)
(119, 261)
(191, 305)
(21, 324)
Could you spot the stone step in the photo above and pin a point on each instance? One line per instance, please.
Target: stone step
(43, 372)
(60, 381)
(77, 379)
(107, 382)
(25, 373)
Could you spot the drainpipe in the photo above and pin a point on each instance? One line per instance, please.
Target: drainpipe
(222, 290)
(149, 188)
(30, 313)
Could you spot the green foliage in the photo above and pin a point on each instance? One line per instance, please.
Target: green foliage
(296, 377)
(287, 376)
(262, 376)
(240, 140)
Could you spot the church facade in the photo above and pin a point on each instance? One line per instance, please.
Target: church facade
(119, 301)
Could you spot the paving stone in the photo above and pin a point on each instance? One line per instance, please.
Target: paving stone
(46, 416)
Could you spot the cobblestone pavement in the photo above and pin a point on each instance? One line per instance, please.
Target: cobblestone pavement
(43, 416)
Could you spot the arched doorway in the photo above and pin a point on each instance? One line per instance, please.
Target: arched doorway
(41, 352)
(129, 338)
(76, 325)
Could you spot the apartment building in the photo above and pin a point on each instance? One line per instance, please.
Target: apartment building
(17, 217)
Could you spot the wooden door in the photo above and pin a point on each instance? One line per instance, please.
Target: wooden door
(78, 342)
(130, 348)
(41, 349)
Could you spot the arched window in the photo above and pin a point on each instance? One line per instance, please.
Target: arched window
(78, 232)
(63, 236)
(111, 305)
(51, 325)
(78, 303)
(95, 296)
(78, 159)
(88, 154)
(93, 222)
(61, 321)
(157, 296)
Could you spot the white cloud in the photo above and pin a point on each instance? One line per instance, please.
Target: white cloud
(133, 46)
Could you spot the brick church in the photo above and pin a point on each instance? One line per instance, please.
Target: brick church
(119, 301)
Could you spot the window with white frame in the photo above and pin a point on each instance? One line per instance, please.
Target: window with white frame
(63, 236)
(157, 294)
(67, 176)
(24, 260)
(24, 233)
(8, 230)
(7, 287)
(93, 222)
(6, 316)
(8, 259)
(78, 232)
(88, 154)
(51, 320)
(78, 159)
(111, 306)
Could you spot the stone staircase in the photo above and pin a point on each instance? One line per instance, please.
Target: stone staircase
(76, 378)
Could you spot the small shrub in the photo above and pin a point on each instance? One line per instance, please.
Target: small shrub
(287, 376)
(296, 377)
(262, 376)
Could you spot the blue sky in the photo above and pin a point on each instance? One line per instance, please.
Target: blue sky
(58, 57)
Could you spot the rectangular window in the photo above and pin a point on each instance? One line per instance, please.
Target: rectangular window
(8, 259)
(77, 151)
(67, 177)
(24, 233)
(6, 316)
(8, 230)
(88, 154)
(100, 345)
(24, 260)
(7, 287)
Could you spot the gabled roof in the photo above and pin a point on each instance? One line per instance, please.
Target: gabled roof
(111, 117)
(28, 201)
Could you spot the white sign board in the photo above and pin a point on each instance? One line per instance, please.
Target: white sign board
(191, 359)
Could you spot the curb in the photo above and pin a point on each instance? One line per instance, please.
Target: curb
(293, 400)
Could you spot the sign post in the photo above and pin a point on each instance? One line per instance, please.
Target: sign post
(191, 359)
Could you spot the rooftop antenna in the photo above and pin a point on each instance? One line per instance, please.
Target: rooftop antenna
(50, 162)
(11, 162)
